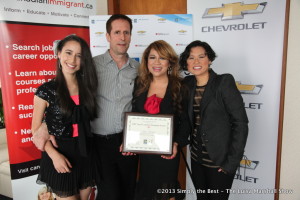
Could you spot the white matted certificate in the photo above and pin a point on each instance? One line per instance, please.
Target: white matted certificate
(146, 133)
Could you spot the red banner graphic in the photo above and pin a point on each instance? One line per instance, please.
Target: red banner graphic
(27, 60)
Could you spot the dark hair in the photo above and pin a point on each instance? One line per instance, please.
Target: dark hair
(86, 78)
(145, 77)
(186, 53)
(116, 17)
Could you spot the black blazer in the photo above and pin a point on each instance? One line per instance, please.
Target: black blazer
(224, 123)
(181, 126)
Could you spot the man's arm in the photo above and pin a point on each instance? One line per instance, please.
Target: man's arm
(41, 136)
(39, 129)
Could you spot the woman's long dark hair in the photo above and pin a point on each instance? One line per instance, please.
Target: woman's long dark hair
(86, 78)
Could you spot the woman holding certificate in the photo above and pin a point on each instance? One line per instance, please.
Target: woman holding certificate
(216, 111)
(158, 91)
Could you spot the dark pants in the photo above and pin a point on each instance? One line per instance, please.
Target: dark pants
(117, 172)
(209, 183)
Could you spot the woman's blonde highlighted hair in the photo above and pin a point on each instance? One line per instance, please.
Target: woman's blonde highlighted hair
(45, 189)
(144, 79)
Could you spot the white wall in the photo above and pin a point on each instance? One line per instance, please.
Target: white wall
(290, 159)
(102, 7)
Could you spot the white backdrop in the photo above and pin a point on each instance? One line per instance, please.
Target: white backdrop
(67, 12)
(249, 45)
(177, 30)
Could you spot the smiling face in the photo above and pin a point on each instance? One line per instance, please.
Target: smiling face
(70, 57)
(119, 37)
(198, 62)
(157, 65)
(45, 195)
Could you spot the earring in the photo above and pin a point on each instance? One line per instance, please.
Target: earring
(169, 70)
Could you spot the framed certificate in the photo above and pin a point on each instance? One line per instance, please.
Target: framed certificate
(148, 134)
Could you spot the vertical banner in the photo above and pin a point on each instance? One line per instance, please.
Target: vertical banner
(248, 39)
(27, 32)
(177, 30)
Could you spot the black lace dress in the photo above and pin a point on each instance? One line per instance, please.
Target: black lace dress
(82, 173)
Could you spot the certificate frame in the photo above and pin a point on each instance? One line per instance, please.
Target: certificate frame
(148, 134)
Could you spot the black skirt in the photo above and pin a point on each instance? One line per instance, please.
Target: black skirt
(158, 178)
(83, 171)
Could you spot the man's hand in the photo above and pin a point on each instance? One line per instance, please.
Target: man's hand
(41, 136)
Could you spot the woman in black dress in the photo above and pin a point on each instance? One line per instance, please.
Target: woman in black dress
(158, 91)
(67, 103)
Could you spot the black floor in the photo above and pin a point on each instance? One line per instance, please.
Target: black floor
(4, 198)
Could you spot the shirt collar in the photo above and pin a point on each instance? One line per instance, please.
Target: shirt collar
(108, 59)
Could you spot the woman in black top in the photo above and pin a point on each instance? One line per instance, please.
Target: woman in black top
(158, 91)
(220, 124)
(67, 104)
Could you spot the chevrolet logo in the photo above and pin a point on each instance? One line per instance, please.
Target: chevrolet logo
(161, 19)
(248, 89)
(99, 33)
(141, 32)
(182, 31)
(249, 164)
(234, 10)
